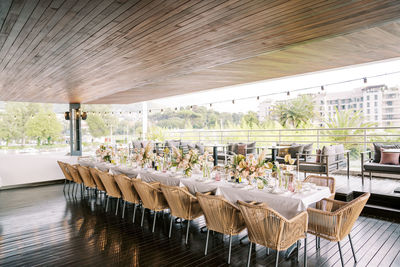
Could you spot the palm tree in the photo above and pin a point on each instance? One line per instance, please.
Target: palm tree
(295, 112)
(344, 120)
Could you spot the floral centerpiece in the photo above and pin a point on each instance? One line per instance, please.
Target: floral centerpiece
(145, 155)
(253, 167)
(186, 162)
(204, 162)
(234, 168)
(106, 153)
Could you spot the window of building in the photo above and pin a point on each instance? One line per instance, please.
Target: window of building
(367, 104)
(376, 117)
(376, 104)
(368, 112)
(367, 97)
(376, 97)
(389, 103)
(361, 105)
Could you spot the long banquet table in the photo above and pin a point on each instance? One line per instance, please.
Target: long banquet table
(288, 204)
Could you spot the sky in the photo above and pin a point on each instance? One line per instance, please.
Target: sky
(282, 85)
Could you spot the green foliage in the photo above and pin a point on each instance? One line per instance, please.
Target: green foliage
(347, 119)
(44, 126)
(251, 120)
(296, 112)
(102, 121)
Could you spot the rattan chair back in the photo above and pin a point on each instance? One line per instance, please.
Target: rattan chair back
(95, 175)
(65, 171)
(182, 203)
(74, 173)
(86, 176)
(268, 228)
(336, 218)
(322, 181)
(221, 215)
(128, 191)
(110, 185)
(151, 195)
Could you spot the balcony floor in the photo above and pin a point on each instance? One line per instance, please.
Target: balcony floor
(41, 226)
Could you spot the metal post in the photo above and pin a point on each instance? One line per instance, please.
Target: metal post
(318, 133)
(215, 154)
(75, 129)
(365, 139)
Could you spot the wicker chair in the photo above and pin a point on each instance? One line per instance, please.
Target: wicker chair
(129, 193)
(182, 205)
(268, 228)
(86, 177)
(67, 175)
(112, 188)
(95, 174)
(222, 217)
(72, 169)
(322, 181)
(335, 219)
(152, 198)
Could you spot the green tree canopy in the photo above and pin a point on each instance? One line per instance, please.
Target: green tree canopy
(44, 126)
(296, 112)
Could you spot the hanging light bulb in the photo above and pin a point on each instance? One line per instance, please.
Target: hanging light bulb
(288, 93)
(258, 97)
(162, 111)
(140, 111)
(233, 101)
(191, 107)
(210, 105)
(365, 80)
(130, 112)
(176, 108)
(149, 110)
(322, 88)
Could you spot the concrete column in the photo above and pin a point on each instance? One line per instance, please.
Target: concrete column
(75, 129)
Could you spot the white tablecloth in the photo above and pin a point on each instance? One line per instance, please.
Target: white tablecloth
(288, 204)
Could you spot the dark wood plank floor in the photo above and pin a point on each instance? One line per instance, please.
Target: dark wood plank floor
(42, 227)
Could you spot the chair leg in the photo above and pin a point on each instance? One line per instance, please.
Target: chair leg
(230, 249)
(154, 221)
(305, 250)
(370, 176)
(170, 226)
(352, 249)
(123, 210)
(116, 209)
(277, 258)
(267, 251)
(208, 235)
(249, 256)
(340, 252)
(134, 213)
(69, 186)
(65, 182)
(298, 250)
(108, 200)
(187, 231)
(141, 223)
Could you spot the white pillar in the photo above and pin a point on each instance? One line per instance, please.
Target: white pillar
(144, 120)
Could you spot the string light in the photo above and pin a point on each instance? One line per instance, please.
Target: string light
(149, 110)
(365, 80)
(258, 97)
(176, 108)
(288, 93)
(233, 101)
(322, 88)
(162, 111)
(210, 105)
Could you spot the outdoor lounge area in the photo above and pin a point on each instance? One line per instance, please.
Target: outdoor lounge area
(199, 133)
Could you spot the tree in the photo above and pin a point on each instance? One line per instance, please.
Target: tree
(296, 112)
(100, 120)
(44, 126)
(347, 119)
(251, 120)
(16, 115)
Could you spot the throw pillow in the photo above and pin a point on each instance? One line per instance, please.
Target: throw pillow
(251, 148)
(200, 148)
(378, 146)
(308, 149)
(242, 149)
(318, 158)
(329, 154)
(294, 150)
(389, 158)
(283, 151)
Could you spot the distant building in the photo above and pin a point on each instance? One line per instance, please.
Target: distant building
(378, 103)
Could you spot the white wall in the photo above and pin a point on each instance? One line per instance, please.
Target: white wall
(17, 169)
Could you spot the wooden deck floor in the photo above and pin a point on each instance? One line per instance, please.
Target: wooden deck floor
(42, 227)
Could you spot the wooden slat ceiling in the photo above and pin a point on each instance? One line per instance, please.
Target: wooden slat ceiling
(104, 51)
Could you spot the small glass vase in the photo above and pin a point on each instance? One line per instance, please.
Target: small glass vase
(260, 184)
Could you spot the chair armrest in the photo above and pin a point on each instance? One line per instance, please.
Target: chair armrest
(300, 218)
(323, 223)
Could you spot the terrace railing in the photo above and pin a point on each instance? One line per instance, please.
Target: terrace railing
(360, 138)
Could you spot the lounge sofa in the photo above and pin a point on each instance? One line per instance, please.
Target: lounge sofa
(327, 160)
(371, 161)
(304, 151)
(238, 148)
